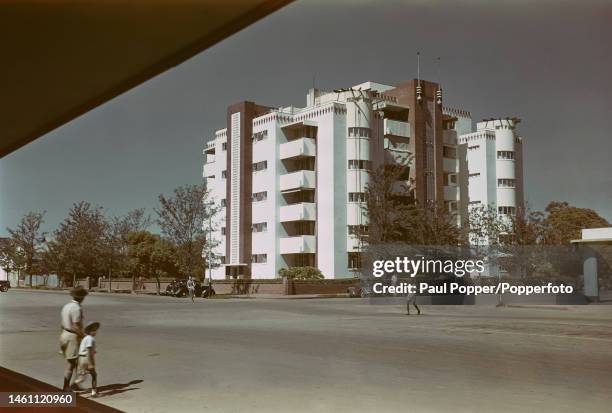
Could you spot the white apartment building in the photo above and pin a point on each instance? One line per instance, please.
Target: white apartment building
(495, 165)
(292, 180)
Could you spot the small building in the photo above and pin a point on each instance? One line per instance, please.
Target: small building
(591, 239)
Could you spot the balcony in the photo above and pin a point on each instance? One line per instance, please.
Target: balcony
(298, 148)
(304, 211)
(450, 165)
(397, 128)
(296, 181)
(209, 169)
(303, 244)
(451, 193)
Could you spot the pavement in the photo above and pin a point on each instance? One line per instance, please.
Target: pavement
(162, 354)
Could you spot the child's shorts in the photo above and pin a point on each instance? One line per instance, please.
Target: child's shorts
(83, 364)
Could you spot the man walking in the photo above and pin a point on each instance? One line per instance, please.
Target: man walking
(191, 288)
(72, 332)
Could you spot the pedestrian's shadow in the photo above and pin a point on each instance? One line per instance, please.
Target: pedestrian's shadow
(112, 389)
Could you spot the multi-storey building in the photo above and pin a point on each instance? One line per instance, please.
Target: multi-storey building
(292, 181)
(495, 166)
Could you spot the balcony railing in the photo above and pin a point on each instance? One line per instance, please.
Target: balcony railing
(304, 211)
(397, 128)
(297, 180)
(298, 148)
(298, 245)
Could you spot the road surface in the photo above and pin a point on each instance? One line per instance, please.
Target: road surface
(162, 354)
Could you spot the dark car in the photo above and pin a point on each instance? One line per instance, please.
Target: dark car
(4, 286)
(178, 288)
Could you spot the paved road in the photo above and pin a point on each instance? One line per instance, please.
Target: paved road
(160, 354)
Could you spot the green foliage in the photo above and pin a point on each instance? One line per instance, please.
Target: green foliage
(150, 255)
(301, 273)
(25, 244)
(564, 222)
(395, 217)
(180, 218)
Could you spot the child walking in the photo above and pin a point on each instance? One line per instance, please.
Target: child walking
(87, 361)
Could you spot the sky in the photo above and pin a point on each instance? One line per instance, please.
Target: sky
(549, 63)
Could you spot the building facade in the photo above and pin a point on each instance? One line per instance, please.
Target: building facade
(292, 181)
(495, 167)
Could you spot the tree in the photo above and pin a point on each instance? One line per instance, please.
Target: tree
(181, 220)
(151, 256)
(395, 217)
(301, 273)
(564, 222)
(26, 241)
(116, 236)
(387, 199)
(81, 239)
(486, 225)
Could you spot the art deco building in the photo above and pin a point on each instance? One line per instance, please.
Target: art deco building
(292, 181)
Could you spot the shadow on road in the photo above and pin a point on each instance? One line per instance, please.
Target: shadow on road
(117, 388)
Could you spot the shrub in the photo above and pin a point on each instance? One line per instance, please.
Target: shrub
(301, 273)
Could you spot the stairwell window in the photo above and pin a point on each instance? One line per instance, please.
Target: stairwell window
(506, 183)
(359, 164)
(358, 229)
(508, 155)
(356, 132)
(357, 197)
(223, 174)
(506, 210)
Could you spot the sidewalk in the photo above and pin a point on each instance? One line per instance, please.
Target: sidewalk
(11, 381)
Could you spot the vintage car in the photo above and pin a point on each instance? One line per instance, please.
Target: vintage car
(4, 285)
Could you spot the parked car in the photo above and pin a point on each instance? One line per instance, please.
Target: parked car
(4, 286)
(178, 288)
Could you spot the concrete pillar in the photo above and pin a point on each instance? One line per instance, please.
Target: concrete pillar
(589, 266)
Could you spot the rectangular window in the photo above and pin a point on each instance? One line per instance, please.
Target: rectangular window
(449, 152)
(474, 175)
(223, 203)
(356, 197)
(259, 258)
(259, 196)
(473, 147)
(223, 174)
(224, 146)
(506, 210)
(505, 155)
(359, 132)
(354, 260)
(359, 164)
(260, 166)
(222, 230)
(358, 229)
(506, 183)
(221, 259)
(259, 227)
(259, 136)
(474, 202)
